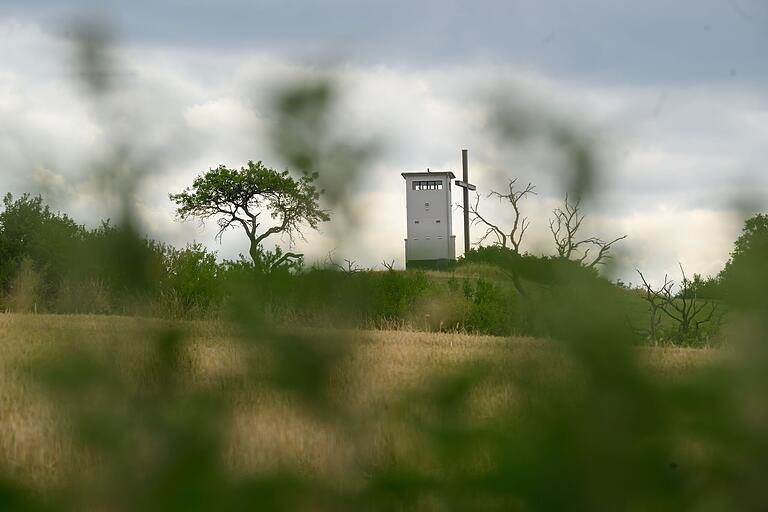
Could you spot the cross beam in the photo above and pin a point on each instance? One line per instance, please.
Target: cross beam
(467, 186)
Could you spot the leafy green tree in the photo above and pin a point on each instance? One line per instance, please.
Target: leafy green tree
(753, 241)
(709, 287)
(30, 231)
(745, 276)
(249, 197)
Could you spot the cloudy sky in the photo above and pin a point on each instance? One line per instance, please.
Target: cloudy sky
(672, 97)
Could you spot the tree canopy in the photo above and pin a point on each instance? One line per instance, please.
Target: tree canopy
(29, 229)
(753, 238)
(261, 200)
(745, 276)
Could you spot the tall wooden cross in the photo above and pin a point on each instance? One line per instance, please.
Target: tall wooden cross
(467, 186)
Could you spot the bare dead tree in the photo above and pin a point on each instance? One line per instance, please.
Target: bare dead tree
(513, 197)
(514, 237)
(685, 308)
(655, 299)
(389, 266)
(349, 266)
(565, 227)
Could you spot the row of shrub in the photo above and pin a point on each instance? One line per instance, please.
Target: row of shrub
(194, 285)
(49, 263)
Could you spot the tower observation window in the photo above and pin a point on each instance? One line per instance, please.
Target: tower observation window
(428, 185)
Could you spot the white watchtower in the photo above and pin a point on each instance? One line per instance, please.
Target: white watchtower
(430, 239)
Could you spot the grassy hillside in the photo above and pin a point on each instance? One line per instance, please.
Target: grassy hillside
(538, 296)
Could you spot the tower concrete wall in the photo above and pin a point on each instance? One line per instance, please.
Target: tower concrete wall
(428, 205)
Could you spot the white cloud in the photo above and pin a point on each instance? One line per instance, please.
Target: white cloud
(673, 156)
(228, 114)
(698, 239)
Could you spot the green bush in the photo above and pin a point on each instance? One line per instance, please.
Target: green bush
(190, 282)
(537, 269)
(394, 293)
(491, 310)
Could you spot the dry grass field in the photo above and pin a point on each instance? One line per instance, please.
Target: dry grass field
(268, 428)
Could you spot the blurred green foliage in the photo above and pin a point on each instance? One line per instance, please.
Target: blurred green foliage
(589, 427)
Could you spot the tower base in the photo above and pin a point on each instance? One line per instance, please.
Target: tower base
(441, 264)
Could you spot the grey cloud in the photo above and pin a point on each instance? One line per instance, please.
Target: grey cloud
(688, 41)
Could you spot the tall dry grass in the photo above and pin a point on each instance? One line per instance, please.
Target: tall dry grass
(269, 429)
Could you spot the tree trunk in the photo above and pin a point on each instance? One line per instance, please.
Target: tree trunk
(254, 252)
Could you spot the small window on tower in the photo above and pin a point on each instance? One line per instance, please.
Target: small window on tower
(437, 221)
(427, 185)
(415, 222)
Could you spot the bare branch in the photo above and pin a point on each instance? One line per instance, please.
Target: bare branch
(603, 252)
(656, 298)
(349, 267)
(564, 228)
(683, 307)
(285, 257)
(514, 237)
(519, 224)
(492, 229)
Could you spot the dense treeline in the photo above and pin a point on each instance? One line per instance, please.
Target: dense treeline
(50, 263)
